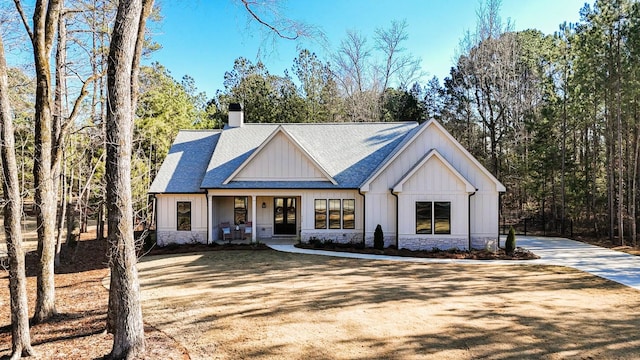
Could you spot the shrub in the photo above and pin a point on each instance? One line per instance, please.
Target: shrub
(149, 241)
(510, 244)
(316, 243)
(378, 238)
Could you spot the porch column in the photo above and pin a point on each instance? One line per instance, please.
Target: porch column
(254, 236)
(210, 218)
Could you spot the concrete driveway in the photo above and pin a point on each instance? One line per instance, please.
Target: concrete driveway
(609, 264)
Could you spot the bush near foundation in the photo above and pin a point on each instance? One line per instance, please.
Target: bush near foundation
(378, 238)
(510, 244)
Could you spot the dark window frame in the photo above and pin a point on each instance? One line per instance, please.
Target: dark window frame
(320, 212)
(434, 212)
(352, 206)
(183, 218)
(442, 211)
(333, 223)
(240, 212)
(425, 206)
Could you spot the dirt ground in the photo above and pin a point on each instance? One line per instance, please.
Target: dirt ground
(78, 331)
(270, 305)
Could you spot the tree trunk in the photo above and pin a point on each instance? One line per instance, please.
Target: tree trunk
(634, 188)
(61, 218)
(20, 337)
(125, 313)
(620, 151)
(59, 115)
(45, 22)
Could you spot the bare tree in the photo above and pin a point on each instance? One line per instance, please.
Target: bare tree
(355, 78)
(404, 67)
(49, 141)
(45, 22)
(364, 77)
(125, 312)
(21, 339)
(489, 68)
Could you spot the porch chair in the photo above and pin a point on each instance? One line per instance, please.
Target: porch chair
(225, 228)
(248, 229)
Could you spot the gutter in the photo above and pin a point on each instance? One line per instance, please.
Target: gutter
(469, 218)
(397, 218)
(364, 217)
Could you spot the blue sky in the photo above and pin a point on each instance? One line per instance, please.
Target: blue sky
(202, 38)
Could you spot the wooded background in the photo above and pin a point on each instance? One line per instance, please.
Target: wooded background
(554, 116)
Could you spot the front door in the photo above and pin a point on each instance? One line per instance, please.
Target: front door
(284, 216)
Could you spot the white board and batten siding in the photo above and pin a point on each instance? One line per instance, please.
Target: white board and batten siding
(280, 159)
(381, 205)
(167, 227)
(484, 204)
(308, 230)
(433, 182)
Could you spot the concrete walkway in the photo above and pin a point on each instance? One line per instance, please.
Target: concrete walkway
(609, 264)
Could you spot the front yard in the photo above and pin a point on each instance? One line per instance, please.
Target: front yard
(271, 305)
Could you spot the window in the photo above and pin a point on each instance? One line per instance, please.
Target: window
(240, 210)
(341, 214)
(442, 217)
(334, 214)
(423, 217)
(433, 217)
(320, 207)
(348, 214)
(184, 215)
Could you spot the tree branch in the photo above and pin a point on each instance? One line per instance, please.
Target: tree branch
(24, 18)
(57, 148)
(53, 13)
(147, 7)
(247, 5)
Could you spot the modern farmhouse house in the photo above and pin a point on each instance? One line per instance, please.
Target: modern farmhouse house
(327, 182)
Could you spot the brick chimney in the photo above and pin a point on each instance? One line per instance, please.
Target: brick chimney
(236, 115)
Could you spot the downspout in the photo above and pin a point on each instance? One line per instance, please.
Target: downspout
(155, 216)
(469, 217)
(206, 199)
(364, 216)
(499, 212)
(397, 217)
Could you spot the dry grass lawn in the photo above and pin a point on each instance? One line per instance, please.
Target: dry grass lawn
(270, 305)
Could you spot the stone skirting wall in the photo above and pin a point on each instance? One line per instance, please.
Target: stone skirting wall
(164, 238)
(429, 243)
(411, 243)
(484, 242)
(342, 238)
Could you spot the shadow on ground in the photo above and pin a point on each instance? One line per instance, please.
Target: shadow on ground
(266, 304)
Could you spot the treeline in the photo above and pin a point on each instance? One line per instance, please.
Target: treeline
(553, 116)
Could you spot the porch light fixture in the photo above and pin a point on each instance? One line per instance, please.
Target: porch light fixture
(264, 205)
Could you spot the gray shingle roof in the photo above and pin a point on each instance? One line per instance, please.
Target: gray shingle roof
(349, 152)
(185, 165)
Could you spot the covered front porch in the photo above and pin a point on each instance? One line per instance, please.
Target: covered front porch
(254, 217)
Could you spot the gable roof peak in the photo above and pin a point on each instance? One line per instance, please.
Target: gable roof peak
(280, 130)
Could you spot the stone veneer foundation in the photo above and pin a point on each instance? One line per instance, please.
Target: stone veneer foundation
(164, 238)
